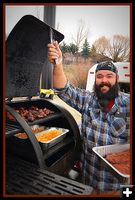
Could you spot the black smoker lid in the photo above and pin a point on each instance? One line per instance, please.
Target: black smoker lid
(26, 52)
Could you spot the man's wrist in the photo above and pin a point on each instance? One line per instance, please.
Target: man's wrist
(58, 61)
(62, 89)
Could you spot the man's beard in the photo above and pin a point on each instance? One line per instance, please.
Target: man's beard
(104, 98)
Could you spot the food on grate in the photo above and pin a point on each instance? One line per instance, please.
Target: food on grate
(37, 130)
(21, 135)
(24, 135)
(120, 161)
(31, 113)
(9, 116)
(44, 137)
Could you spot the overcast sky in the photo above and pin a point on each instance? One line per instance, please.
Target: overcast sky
(99, 20)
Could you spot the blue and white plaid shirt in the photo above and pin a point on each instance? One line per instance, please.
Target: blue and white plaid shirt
(99, 129)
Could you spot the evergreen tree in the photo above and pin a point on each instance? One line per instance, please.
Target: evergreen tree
(73, 48)
(64, 48)
(85, 49)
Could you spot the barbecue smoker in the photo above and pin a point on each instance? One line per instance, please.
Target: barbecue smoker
(31, 169)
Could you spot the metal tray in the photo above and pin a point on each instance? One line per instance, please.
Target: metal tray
(102, 151)
(50, 143)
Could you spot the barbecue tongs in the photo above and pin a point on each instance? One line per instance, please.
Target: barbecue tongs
(52, 40)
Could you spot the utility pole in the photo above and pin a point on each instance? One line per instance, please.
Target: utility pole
(49, 16)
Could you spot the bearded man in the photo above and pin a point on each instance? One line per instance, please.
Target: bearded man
(105, 117)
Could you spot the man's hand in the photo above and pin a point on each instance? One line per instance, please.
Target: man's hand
(55, 57)
(54, 53)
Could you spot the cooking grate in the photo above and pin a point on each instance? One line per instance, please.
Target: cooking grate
(26, 178)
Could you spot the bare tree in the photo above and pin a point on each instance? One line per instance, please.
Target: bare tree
(39, 12)
(58, 26)
(81, 34)
(102, 45)
(120, 50)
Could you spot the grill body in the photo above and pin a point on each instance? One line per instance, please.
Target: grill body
(29, 168)
(57, 156)
(24, 171)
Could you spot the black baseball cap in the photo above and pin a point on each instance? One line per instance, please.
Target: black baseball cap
(107, 65)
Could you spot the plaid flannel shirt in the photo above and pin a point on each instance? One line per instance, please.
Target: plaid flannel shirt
(99, 129)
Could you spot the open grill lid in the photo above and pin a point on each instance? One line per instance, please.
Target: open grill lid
(26, 53)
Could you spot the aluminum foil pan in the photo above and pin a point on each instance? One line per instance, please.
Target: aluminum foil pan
(102, 151)
(46, 144)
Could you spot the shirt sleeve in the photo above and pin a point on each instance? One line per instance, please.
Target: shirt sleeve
(73, 96)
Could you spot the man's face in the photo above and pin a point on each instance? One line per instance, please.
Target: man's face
(105, 79)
